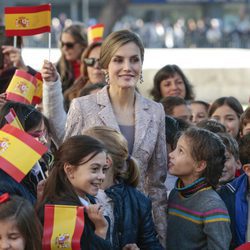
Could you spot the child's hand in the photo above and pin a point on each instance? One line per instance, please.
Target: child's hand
(15, 56)
(95, 213)
(131, 247)
(49, 72)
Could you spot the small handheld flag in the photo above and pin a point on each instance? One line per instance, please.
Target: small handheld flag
(37, 98)
(27, 21)
(22, 87)
(95, 33)
(19, 152)
(63, 227)
(13, 120)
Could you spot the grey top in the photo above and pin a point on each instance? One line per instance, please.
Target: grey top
(129, 133)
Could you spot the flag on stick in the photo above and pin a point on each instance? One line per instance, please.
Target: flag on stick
(95, 33)
(63, 227)
(27, 21)
(22, 87)
(13, 120)
(19, 152)
(37, 98)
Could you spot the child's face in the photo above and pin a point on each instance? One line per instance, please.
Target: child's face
(246, 129)
(199, 112)
(228, 118)
(230, 167)
(181, 163)
(88, 177)
(10, 237)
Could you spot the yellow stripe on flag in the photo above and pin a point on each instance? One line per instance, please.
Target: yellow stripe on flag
(22, 87)
(10, 153)
(26, 21)
(64, 226)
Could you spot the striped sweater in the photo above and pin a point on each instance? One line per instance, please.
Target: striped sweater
(197, 218)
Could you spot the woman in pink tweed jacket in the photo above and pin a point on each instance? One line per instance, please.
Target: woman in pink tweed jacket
(119, 106)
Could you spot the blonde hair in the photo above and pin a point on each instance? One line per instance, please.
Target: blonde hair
(116, 40)
(117, 148)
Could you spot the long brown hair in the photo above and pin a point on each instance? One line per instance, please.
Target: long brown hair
(27, 223)
(72, 151)
(124, 166)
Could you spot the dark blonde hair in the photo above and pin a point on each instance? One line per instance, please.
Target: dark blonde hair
(23, 213)
(117, 148)
(116, 40)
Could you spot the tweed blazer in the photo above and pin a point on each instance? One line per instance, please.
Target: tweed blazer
(149, 143)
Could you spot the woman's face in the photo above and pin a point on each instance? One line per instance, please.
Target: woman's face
(95, 73)
(10, 236)
(125, 66)
(228, 117)
(173, 86)
(71, 49)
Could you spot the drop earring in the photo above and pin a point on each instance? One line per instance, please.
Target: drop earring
(106, 74)
(141, 79)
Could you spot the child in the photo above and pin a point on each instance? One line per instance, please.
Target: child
(129, 209)
(236, 197)
(232, 164)
(199, 111)
(245, 122)
(79, 169)
(197, 217)
(19, 226)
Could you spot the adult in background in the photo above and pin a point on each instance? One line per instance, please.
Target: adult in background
(171, 81)
(140, 120)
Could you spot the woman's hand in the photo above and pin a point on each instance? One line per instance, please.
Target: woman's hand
(49, 72)
(131, 247)
(95, 213)
(13, 57)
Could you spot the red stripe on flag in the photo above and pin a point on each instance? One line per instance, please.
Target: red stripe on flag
(26, 76)
(28, 9)
(25, 138)
(29, 32)
(11, 170)
(97, 26)
(36, 100)
(79, 227)
(48, 226)
(38, 75)
(17, 98)
(97, 39)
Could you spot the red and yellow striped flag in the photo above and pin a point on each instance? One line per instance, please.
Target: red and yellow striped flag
(27, 21)
(63, 227)
(18, 152)
(95, 33)
(37, 98)
(22, 87)
(13, 120)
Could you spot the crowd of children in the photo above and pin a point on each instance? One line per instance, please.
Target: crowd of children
(138, 177)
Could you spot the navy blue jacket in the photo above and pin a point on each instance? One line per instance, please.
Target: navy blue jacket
(236, 191)
(133, 221)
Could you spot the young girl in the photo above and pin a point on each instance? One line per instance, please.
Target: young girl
(33, 123)
(130, 210)
(197, 217)
(78, 172)
(19, 226)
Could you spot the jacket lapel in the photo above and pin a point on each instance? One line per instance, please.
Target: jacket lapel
(142, 121)
(106, 113)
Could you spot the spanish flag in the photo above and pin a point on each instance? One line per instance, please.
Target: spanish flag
(63, 227)
(27, 21)
(22, 87)
(13, 120)
(37, 98)
(18, 152)
(95, 33)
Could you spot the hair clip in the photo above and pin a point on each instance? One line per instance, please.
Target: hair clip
(26, 116)
(4, 197)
